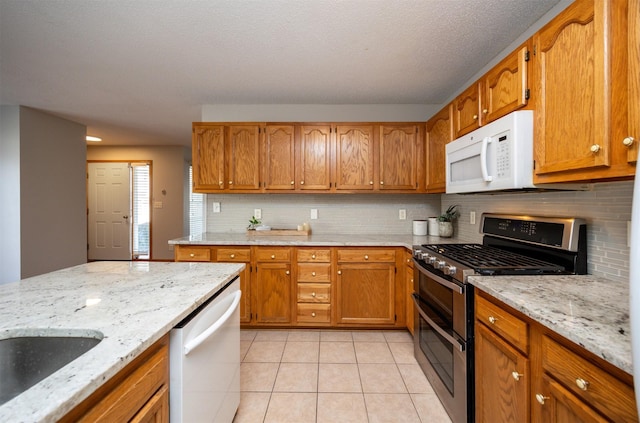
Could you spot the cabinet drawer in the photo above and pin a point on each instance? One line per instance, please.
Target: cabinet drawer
(503, 323)
(314, 293)
(314, 313)
(308, 272)
(193, 254)
(317, 256)
(234, 254)
(364, 256)
(273, 254)
(612, 397)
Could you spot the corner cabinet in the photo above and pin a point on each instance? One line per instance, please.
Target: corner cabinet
(439, 134)
(584, 92)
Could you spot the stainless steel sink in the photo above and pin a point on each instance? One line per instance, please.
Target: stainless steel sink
(27, 359)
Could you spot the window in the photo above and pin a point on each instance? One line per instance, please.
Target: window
(141, 192)
(197, 207)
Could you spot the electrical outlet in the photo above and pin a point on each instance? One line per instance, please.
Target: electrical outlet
(314, 214)
(216, 207)
(402, 214)
(472, 217)
(257, 213)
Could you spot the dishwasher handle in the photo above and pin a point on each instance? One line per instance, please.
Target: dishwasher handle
(195, 342)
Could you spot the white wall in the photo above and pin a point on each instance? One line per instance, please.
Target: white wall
(168, 173)
(44, 216)
(9, 194)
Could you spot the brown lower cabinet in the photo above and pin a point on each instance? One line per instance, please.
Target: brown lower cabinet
(528, 373)
(138, 393)
(315, 286)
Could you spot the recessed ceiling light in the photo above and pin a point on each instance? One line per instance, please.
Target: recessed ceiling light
(95, 139)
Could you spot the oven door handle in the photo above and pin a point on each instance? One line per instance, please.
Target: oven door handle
(453, 286)
(433, 324)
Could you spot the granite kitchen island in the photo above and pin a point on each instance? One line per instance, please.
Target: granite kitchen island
(131, 305)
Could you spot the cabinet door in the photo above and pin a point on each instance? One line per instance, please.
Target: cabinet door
(365, 294)
(439, 133)
(557, 405)
(399, 157)
(408, 298)
(633, 52)
(272, 293)
(314, 170)
(279, 157)
(504, 87)
(502, 380)
(244, 157)
(466, 111)
(573, 92)
(208, 158)
(354, 158)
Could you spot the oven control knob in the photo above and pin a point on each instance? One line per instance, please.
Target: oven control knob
(441, 264)
(432, 259)
(450, 270)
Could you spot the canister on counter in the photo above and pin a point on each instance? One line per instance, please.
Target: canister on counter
(433, 226)
(419, 227)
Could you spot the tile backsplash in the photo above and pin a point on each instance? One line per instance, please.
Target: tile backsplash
(606, 208)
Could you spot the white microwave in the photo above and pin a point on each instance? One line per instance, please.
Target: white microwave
(494, 157)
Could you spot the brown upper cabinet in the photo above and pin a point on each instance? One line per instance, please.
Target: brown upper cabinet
(586, 67)
(272, 157)
(439, 133)
(500, 91)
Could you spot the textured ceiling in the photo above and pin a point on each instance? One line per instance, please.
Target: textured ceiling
(138, 71)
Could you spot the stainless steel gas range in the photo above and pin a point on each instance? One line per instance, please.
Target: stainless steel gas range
(511, 245)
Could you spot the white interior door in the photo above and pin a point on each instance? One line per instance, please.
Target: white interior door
(109, 211)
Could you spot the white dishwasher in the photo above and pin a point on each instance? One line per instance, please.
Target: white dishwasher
(204, 355)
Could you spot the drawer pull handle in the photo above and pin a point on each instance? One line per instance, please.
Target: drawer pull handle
(192, 255)
(273, 256)
(516, 375)
(582, 384)
(313, 294)
(492, 320)
(313, 256)
(541, 398)
(366, 257)
(313, 314)
(232, 256)
(313, 273)
(287, 272)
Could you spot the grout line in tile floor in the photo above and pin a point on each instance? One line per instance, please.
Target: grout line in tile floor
(345, 376)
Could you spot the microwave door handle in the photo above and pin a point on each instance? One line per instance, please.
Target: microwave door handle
(483, 160)
(434, 325)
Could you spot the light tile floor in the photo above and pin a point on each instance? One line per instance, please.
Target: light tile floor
(320, 376)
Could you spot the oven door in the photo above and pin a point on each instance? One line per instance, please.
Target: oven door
(443, 340)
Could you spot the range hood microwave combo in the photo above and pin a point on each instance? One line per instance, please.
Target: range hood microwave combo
(496, 157)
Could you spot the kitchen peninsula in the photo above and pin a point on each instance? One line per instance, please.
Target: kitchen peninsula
(131, 305)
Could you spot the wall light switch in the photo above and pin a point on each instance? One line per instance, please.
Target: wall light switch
(257, 213)
(402, 214)
(216, 207)
(314, 214)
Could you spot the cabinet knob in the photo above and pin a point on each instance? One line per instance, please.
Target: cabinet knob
(313, 294)
(313, 314)
(293, 182)
(516, 375)
(230, 182)
(220, 182)
(582, 384)
(381, 182)
(492, 320)
(339, 272)
(475, 117)
(232, 256)
(595, 148)
(370, 182)
(301, 182)
(541, 398)
(313, 256)
(408, 260)
(192, 255)
(628, 141)
(287, 272)
(366, 257)
(485, 111)
(273, 256)
(313, 273)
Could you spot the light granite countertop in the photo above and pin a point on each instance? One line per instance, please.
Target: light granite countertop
(139, 303)
(326, 240)
(592, 312)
